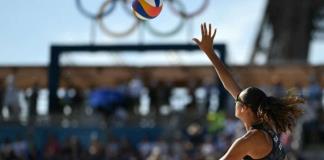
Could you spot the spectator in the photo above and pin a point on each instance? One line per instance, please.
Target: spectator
(164, 94)
(52, 148)
(7, 152)
(177, 149)
(230, 126)
(314, 95)
(2, 90)
(127, 151)
(11, 98)
(96, 150)
(155, 154)
(77, 99)
(112, 149)
(153, 94)
(20, 148)
(135, 88)
(201, 95)
(32, 99)
(72, 149)
(144, 148)
(208, 148)
(162, 147)
(278, 90)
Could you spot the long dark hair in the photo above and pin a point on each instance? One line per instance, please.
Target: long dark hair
(280, 113)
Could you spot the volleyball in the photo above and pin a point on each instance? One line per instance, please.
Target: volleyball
(147, 9)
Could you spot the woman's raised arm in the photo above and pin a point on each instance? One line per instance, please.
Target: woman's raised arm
(206, 45)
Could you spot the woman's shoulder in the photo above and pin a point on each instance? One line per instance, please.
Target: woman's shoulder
(257, 139)
(256, 136)
(253, 138)
(253, 133)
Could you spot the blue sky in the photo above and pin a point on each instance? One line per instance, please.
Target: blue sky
(29, 27)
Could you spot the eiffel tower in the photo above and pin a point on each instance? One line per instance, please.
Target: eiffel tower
(287, 30)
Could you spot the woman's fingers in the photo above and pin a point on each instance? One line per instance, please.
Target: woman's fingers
(207, 32)
(196, 41)
(213, 36)
(205, 29)
(202, 30)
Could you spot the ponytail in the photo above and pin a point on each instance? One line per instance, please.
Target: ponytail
(282, 113)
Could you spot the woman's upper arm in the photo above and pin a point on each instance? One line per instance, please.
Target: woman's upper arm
(235, 91)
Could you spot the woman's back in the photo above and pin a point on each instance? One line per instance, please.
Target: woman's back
(277, 152)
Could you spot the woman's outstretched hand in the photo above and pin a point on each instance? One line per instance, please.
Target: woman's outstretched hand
(207, 38)
(206, 45)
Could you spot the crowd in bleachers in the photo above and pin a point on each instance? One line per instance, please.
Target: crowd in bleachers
(72, 149)
(206, 139)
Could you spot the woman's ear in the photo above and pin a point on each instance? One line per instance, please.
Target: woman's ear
(244, 108)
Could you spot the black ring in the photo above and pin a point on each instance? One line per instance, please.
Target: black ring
(93, 16)
(168, 33)
(104, 28)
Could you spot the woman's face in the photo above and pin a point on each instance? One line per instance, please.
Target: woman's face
(240, 108)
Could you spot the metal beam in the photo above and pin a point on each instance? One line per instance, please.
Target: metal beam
(57, 50)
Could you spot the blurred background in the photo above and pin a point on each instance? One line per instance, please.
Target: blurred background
(85, 79)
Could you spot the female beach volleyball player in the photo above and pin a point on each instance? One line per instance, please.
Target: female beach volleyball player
(264, 117)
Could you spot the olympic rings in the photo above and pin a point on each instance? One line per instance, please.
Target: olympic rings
(193, 14)
(104, 28)
(94, 16)
(171, 32)
(109, 6)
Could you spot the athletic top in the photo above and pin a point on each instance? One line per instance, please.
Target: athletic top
(277, 152)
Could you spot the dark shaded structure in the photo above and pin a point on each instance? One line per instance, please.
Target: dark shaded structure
(287, 29)
(57, 50)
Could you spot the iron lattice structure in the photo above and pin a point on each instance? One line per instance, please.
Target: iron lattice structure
(287, 29)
